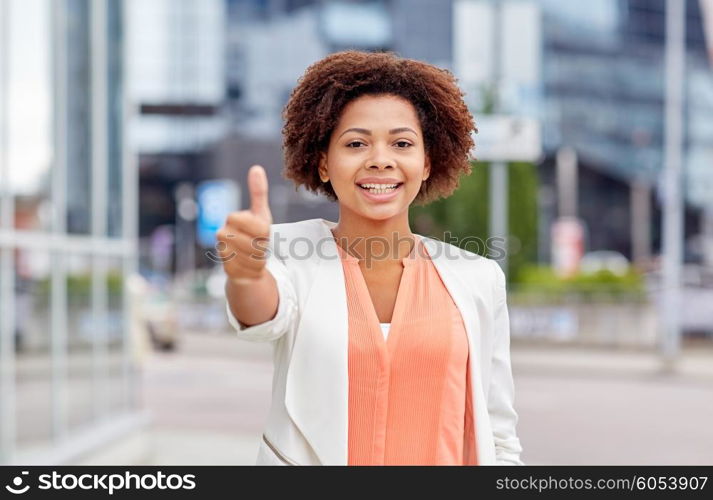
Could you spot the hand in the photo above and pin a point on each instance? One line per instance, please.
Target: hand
(244, 239)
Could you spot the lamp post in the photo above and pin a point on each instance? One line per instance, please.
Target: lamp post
(498, 191)
(673, 202)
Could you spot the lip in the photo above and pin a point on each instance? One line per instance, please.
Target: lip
(381, 197)
(378, 180)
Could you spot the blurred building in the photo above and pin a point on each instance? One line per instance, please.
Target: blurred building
(176, 84)
(264, 62)
(592, 74)
(603, 76)
(176, 73)
(210, 78)
(270, 43)
(68, 383)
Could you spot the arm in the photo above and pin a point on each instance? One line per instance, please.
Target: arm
(268, 308)
(501, 392)
(258, 288)
(253, 303)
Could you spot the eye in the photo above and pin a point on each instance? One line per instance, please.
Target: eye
(349, 145)
(404, 142)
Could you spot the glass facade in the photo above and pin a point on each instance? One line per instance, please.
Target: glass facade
(79, 114)
(67, 241)
(603, 71)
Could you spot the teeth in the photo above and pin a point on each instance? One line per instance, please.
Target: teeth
(379, 186)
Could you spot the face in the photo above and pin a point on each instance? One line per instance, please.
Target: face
(377, 143)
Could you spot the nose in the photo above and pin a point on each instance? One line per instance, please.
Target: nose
(380, 160)
(380, 166)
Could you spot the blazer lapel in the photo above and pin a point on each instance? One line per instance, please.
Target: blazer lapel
(316, 394)
(470, 306)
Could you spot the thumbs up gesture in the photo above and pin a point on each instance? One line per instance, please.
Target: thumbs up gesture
(244, 238)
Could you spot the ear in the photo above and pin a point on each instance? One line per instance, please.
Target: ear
(427, 169)
(322, 169)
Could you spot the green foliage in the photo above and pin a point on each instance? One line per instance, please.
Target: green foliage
(79, 286)
(465, 214)
(523, 216)
(541, 283)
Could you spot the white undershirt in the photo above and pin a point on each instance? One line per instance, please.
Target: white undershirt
(385, 329)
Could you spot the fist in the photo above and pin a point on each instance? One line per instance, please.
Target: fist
(244, 238)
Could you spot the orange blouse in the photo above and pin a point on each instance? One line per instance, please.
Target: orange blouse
(409, 394)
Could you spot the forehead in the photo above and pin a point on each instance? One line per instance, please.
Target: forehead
(387, 109)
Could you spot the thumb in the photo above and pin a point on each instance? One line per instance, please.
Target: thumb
(257, 185)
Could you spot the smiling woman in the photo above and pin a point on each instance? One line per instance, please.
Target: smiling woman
(375, 133)
(385, 148)
(332, 84)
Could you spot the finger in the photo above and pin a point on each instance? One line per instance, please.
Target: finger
(246, 245)
(246, 222)
(236, 263)
(257, 185)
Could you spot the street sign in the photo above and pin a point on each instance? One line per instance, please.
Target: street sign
(567, 245)
(507, 138)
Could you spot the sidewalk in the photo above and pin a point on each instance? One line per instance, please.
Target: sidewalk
(611, 407)
(694, 363)
(209, 401)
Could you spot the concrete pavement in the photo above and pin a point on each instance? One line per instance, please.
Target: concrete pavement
(600, 407)
(210, 399)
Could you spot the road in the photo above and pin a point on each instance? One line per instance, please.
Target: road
(577, 406)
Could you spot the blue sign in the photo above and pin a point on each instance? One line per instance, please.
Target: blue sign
(216, 199)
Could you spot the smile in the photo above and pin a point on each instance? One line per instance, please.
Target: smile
(380, 188)
(380, 192)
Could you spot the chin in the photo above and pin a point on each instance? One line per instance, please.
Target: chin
(377, 217)
(380, 213)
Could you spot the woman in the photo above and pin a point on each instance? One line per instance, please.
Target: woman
(390, 348)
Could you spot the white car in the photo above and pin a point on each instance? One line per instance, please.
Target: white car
(600, 260)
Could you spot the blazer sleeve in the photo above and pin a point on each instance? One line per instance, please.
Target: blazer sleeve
(286, 313)
(501, 393)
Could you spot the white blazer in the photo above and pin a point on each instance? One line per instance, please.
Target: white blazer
(307, 421)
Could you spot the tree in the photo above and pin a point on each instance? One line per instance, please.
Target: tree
(465, 214)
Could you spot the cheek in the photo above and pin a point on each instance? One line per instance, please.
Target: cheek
(344, 188)
(415, 184)
(341, 175)
(413, 189)
(340, 182)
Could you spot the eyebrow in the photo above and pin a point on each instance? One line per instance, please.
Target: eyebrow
(368, 132)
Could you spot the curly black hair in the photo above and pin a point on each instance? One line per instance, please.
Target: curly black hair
(327, 86)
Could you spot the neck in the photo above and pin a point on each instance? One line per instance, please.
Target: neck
(382, 241)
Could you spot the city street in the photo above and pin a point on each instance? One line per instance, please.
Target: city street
(613, 408)
(209, 400)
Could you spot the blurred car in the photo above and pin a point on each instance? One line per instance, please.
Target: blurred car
(601, 260)
(155, 315)
(161, 321)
